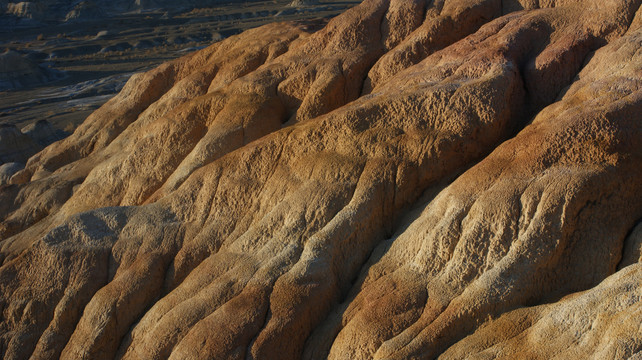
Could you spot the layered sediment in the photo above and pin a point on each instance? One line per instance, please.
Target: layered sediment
(413, 180)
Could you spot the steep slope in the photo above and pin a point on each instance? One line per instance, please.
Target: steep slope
(382, 187)
(602, 323)
(544, 215)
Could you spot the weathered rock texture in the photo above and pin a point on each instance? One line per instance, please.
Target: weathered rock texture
(414, 180)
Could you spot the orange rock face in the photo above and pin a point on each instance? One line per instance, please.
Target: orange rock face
(412, 180)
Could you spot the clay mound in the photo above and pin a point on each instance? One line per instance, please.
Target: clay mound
(411, 180)
(16, 146)
(19, 146)
(17, 71)
(43, 133)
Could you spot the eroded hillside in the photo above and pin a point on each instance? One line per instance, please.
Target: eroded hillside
(417, 179)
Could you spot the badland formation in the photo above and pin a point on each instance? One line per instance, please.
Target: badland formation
(413, 179)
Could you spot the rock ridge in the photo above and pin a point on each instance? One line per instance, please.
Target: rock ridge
(411, 180)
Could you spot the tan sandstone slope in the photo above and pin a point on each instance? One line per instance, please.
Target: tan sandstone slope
(414, 179)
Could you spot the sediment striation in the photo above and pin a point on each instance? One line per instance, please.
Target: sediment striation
(412, 180)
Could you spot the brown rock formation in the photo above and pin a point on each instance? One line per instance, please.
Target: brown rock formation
(415, 179)
(7, 170)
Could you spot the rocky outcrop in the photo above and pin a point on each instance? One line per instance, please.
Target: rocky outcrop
(26, 9)
(414, 179)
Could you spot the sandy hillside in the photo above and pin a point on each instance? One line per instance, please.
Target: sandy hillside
(412, 180)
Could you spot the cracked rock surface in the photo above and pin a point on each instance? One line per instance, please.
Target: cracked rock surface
(412, 180)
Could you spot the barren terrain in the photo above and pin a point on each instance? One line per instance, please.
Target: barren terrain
(97, 55)
(412, 179)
